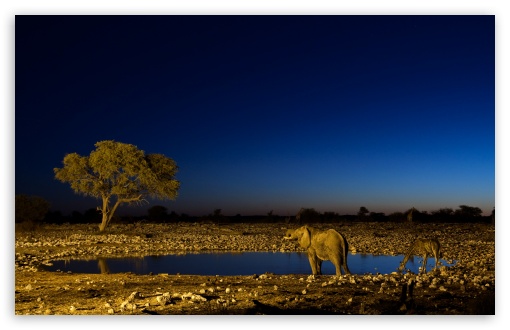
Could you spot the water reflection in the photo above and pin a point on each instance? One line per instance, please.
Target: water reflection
(103, 266)
(236, 263)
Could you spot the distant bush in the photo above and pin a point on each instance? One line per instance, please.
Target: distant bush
(378, 216)
(467, 213)
(330, 217)
(397, 217)
(30, 208)
(363, 214)
(29, 212)
(27, 225)
(442, 215)
(157, 213)
(308, 215)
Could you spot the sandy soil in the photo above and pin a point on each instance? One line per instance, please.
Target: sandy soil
(466, 288)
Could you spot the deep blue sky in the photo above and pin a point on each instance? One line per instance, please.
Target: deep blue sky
(265, 112)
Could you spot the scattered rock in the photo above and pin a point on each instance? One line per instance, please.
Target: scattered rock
(472, 247)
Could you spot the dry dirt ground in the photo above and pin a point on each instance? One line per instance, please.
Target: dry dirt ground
(466, 288)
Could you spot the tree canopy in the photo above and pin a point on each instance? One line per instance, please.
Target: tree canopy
(117, 173)
(468, 211)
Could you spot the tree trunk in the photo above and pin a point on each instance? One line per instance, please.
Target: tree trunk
(106, 214)
(104, 222)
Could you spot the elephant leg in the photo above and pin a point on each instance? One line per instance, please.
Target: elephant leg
(319, 266)
(425, 263)
(346, 269)
(313, 263)
(337, 261)
(340, 262)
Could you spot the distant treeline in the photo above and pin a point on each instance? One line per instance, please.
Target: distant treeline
(35, 210)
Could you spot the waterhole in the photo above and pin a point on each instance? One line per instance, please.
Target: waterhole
(242, 263)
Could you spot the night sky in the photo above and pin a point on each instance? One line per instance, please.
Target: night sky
(265, 113)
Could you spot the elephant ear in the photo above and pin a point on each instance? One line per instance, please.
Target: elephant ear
(306, 238)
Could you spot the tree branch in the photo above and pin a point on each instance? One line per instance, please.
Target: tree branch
(128, 200)
(123, 200)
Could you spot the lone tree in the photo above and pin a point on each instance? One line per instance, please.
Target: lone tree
(468, 213)
(119, 173)
(362, 213)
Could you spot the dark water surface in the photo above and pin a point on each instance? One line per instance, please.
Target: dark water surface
(242, 263)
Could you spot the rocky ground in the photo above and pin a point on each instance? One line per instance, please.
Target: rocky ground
(466, 288)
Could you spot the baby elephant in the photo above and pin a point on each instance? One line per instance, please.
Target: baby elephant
(322, 245)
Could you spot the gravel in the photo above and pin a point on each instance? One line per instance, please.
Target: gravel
(471, 245)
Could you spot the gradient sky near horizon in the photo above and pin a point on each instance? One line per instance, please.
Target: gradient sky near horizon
(265, 112)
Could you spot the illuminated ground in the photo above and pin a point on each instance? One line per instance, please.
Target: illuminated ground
(466, 288)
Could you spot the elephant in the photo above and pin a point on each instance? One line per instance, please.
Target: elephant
(322, 245)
